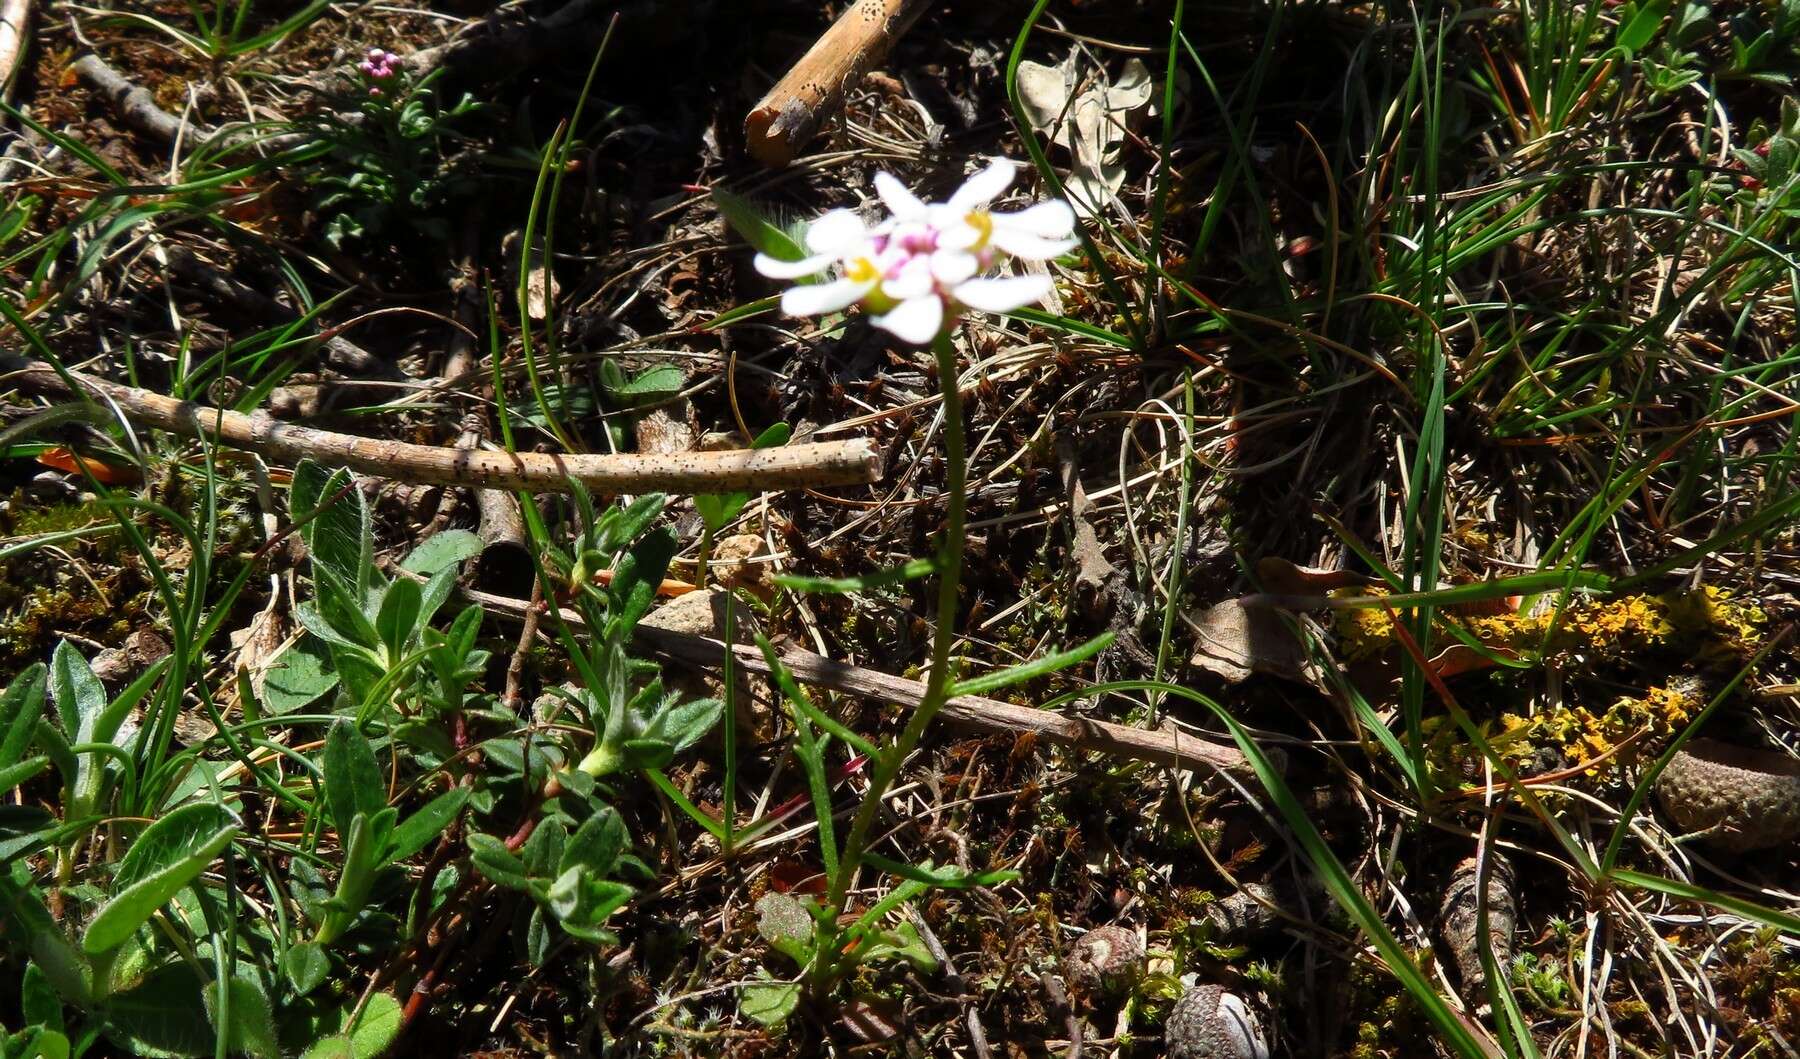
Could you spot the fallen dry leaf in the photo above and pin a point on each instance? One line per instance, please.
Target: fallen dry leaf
(1234, 641)
(1087, 115)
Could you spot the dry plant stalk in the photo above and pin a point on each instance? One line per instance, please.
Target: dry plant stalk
(813, 90)
(850, 462)
(970, 711)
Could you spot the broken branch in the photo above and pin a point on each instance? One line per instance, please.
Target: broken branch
(814, 89)
(849, 462)
(969, 711)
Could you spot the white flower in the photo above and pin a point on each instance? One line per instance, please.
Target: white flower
(920, 268)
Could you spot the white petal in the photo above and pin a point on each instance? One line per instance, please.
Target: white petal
(984, 187)
(914, 281)
(917, 321)
(957, 234)
(811, 299)
(775, 268)
(1047, 220)
(836, 232)
(1003, 294)
(1028, 246)
(951, 267)
(900, 202)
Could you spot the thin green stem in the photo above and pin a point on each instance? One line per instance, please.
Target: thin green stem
(940, 679)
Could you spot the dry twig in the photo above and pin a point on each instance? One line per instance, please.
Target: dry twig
(792, 466)
(814, 89)
(970, 711)
(133, 103)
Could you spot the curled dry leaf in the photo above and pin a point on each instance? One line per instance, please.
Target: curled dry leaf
(1742, 798)
(1234, 640)
(1087, 114)
(1284, 578)
(541, 288)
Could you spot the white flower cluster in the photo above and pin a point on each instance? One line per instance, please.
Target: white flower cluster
(919, 269)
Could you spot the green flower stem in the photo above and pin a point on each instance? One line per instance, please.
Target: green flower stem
(938, 682)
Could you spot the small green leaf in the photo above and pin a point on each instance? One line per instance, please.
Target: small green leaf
(683, 724)
(79, 695)
(170, 854)
(786, 922)
(596, 844)
(442, 551)
(658, 383)
(341, 605)
(755, 228)
(893, 575)
(366, 1038)
(376, 1027)
(583, 902)
(544, 848)
(38, 1001)
(34, 1042)
(306, 966)
(945, 878)
(14, 775)
(431, 821)
(250, 1027)
(398, 617)
(337, 528)
(537, 937)
(165, 1014)
(639, 573)
(353, 781)
(500, 865)
(902, 941)
(21, 704)
(769, 1003)
(299, 675)
(357, 672)
(1032, 670)
(1640, 23)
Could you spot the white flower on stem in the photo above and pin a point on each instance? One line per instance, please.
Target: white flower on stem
(921, 268)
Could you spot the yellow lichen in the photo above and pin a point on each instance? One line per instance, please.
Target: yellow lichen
(1586, 627)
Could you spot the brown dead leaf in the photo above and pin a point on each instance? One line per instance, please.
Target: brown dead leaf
(1234, 641)
(1283, 578)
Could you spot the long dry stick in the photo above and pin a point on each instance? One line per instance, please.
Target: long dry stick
(789, 467)
(814, 89)
(970, 711)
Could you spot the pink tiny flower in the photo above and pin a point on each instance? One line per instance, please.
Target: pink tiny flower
(375, 93)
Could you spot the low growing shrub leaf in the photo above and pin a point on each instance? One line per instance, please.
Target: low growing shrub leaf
(169, 855)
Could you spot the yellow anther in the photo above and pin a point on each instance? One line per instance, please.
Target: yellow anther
(983, 223)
